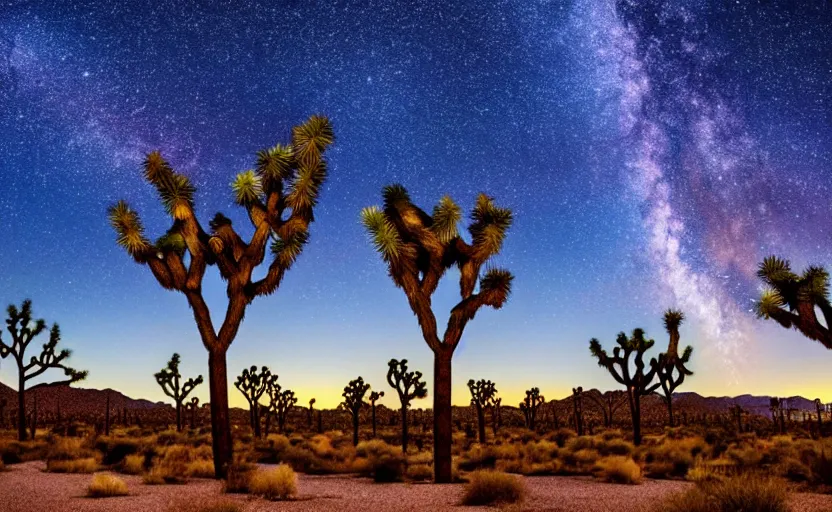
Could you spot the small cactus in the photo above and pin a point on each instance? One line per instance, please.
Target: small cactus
(353, 401)
(169, 379)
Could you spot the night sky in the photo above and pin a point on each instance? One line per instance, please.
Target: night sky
(652, 155)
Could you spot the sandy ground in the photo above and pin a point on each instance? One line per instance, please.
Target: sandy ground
(26, 487)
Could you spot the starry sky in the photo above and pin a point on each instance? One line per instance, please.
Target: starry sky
(652, 152)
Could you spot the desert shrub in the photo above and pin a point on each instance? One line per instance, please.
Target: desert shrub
(821, 468)
(385, 463)
(171, 467)
(745, 493)
(492, 487)
(238, 477)
(562, 436)
(278, 442)
(279, 483)
(321, 446)
(200, 469)
(614, 446)
(169, 438)
(619, 470)
(114, 450)
(132, 464)
(66, 448)
(540, 452)
(87, 465)
(106, 486)
(479, 457)
(419, 472)
(13, 452)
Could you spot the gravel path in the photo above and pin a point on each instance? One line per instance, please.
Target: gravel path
(26, 487)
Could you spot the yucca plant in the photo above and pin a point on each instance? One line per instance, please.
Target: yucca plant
(418, 249)
(253, 384)
(170, 380)
(23, 330)
(630, 374)
(279, 195)
(483, 393)
(529, 406)
(408, 385)
(670, 367)
(792, 300)
(353, 402)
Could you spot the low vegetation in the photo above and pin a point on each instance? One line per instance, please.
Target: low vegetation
(106, 486)
(488, 487)
(745, 493)
(275, 484)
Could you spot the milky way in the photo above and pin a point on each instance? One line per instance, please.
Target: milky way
(653, 152)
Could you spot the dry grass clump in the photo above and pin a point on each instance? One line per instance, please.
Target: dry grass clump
(492, 487)
(279, 483)
(87, 465)
(178, 462)
(13, 452)
(745, 493)
(383, 462)
(619, 470)
(672, 457)
(238, 478)
(106, 486)
(200, 469)
(419, 473)
(213, 506)
(132, 464)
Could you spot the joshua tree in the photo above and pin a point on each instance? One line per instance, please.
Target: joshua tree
(670, 363)
(279, 196)
(608, 402)
(418, 248)
(529, 406)
(496, 415)
(309, 413)
(193, 407)
(578, 406)
(23, 330)
(353, 401)
(482, 395)
(792, 300)
(632, 376)
(374, 397)
(818, 406)
(169, 379)
(252, 385)
(408, 385)
(280, 402)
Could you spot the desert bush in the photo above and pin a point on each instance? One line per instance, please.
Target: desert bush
(171, 467)
(200, 469)
(106, 486)
(239, 476)
(619, 470)
(492, 487)
(169, 438)
(745, 493)
(385, 463)
(114, 450)
(478, 457)
(419, 472)
(279, 483)
(14, 452)
(132, 464)
(87, 465)
(66, 448)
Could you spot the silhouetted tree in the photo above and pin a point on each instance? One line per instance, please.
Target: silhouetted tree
(252, 385)
(193, 407)
(482, 395)
(792, 300)
(279, 196)
(608, 403)
(529, 406)
(418, 249)
(353, 401)
(280, 402)
(374, 397)
(309, 413)
(497, 415)
(670, 367)
(23, 330)
(578, 407)
(408, 385)
(630, 374)
(169, 379)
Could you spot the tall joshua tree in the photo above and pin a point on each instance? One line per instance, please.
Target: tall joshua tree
(632, 375)
(23, 330)
(280, 402)
(170, 379)
(279, 196)
(408, 385)
(252, 385)
(670, 367)
(529, 406)
(482, 396)
(418, 248)
(353, 402)
(792, 300)
(375, 396)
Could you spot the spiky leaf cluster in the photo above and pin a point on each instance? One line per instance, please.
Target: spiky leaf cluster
(354, 395)
(632, 375)
(483, 392)
(408, 384)
(170, 380)
(253, 384)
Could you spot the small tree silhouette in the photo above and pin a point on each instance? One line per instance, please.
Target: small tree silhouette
(193, 408)
(375, 397)
(529, 406)
(632, 376)
(279, 196)
(252, 385)
(22, 331)
(353, 401)
(408, 385)
(578, 406)
(497, 415)
(169, 379)
(280, 402)
(482, 395)
(670, 363)
(309, 413)
(418, 249)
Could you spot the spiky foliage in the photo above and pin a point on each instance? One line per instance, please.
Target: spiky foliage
(253, 384)
(170, 380)
(630, 374)
(281, 402)
(483, 393)
(792, 300)
(608, 403)
(279, 196)
(670, 367)
(578, 407)
(418, 249)
(408, 385)
(375, 396)
(529, 406)
(193, 408)
(353, 402)
(23, 329)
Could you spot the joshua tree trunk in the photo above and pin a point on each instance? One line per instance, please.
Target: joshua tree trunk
(374, 420)
(34, 425)
(21, 409)
(355, 429)
(481, 422)
(220, 424)
(669, 401)
(404, 429)
(635, 413)
(442, 418)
